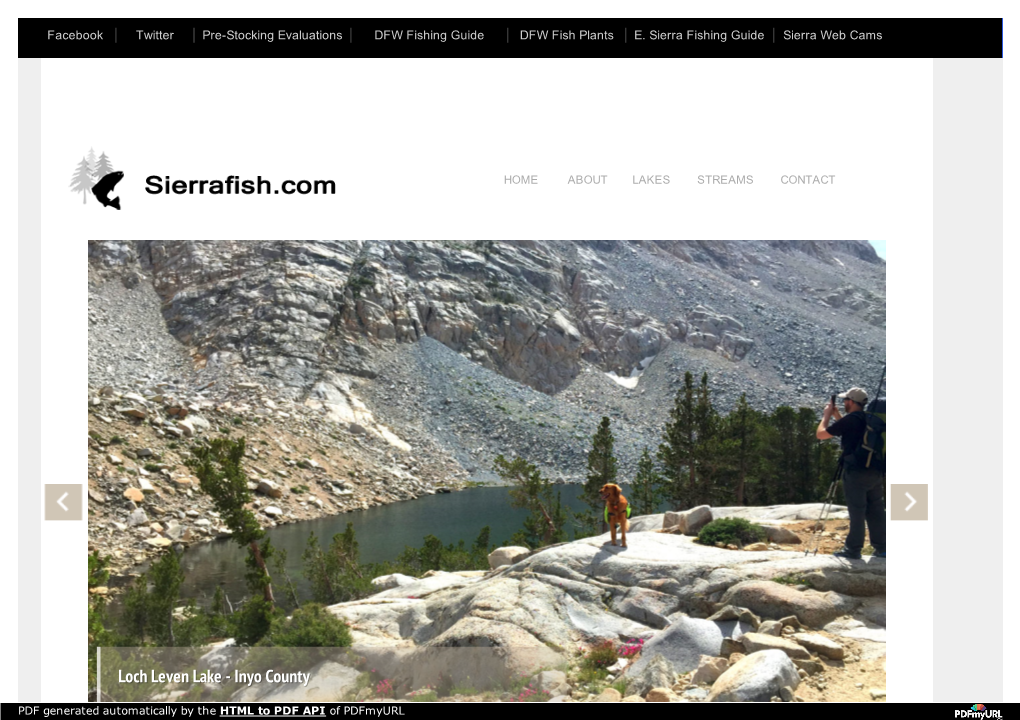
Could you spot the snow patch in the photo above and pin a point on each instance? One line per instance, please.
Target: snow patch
(627, 382)
(631, 381)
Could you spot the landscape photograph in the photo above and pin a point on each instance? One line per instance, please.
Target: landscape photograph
(486, 471)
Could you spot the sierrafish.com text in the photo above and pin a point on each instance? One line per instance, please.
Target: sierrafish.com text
(234, 185)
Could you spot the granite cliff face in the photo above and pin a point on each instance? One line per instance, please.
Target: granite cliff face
(496, 346)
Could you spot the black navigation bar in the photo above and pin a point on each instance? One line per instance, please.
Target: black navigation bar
(511, 38)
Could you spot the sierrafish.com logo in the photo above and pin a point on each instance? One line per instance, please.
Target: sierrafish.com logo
(979, 711)
(95, 176)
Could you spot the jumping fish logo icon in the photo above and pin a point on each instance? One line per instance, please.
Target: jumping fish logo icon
(105, 186)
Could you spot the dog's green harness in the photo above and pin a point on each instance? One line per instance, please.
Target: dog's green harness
(607, 512)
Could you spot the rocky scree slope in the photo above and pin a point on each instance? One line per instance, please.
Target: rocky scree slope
(480, 348)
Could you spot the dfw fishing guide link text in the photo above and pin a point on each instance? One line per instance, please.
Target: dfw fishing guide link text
(234, 185)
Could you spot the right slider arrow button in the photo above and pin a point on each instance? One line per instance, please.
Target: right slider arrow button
(908, 502)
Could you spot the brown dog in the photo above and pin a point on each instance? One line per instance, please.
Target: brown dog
(616, 509)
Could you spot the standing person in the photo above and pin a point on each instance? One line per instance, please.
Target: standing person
(864, 488)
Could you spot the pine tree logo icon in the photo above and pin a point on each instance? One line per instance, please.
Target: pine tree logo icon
(96, 176)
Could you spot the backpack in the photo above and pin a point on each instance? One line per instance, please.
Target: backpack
(870, 454)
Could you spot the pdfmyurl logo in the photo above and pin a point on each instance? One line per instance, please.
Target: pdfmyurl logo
(979, 711)
(96, 176)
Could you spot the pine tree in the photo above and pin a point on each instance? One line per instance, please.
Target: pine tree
(317, 572)
(336, 574)
(805, 455)
(709, 454)
(218, 468)
(149, 611)
(601, 470)
(167, 577)
(529, 490)
(103, 167)
(646, 491)
(676, 452)
(81, 181)
(742, 427)
(826, 459)
(92, 162)
(98, 576)
(783, 455)
(280, 568)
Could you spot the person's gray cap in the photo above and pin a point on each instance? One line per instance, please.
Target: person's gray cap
(858, 395)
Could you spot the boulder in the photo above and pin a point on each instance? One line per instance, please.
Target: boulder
(756, 678)
(756, 547)
(609, 695)
(811, 667)
(199, 423)
(730, 646)
(134, 495)
(551, 681)
(730, 612)
(820, 645)
(775, 600)
(709, 670)
(137, 517)
(688, 522)
(645, 523)
(507, 555)
(858, 584)
(855, 629)
(771, 627)
(657, 672)
(757, 642)
(386, 582)
(661, 694)
(684, 642)
(270, 488)
(781, 535)
(272, 511)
